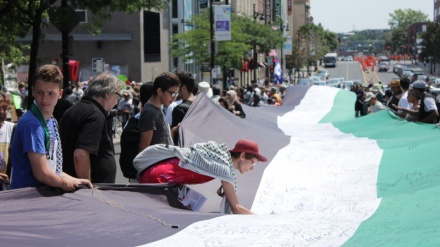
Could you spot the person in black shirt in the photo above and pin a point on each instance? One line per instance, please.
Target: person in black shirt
(186, 92)
(360, 106)
(85, 131)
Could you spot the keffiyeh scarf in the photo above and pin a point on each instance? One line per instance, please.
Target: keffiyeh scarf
(49, 145)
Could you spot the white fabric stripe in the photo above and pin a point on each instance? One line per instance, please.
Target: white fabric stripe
(315, 192)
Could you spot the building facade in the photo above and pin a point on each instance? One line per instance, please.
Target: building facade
(134, 45)
(137, 45)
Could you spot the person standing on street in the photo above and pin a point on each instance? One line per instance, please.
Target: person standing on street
(6, 129)
(86, 134)
(36, 153)
(186, 89)
(153, 125)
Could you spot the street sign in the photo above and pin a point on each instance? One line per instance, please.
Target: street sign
(64, 19)
(97, 64)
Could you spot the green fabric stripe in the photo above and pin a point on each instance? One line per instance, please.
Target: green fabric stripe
(408, 178)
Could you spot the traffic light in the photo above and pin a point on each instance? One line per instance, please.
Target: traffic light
(388, 47)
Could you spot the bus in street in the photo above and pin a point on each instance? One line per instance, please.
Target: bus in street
(330, 59)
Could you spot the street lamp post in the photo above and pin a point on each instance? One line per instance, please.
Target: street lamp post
(255, 14)
(211, 22)
(282, 47)
(255, 54)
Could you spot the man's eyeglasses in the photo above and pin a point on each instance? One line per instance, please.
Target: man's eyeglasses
(173, 94)
(119, 95)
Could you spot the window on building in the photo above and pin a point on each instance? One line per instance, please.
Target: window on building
(151, 36)
(82, 13)
(174, 13)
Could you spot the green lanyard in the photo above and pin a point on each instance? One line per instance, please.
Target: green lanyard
(36, 111)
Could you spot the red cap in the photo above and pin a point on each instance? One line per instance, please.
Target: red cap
(248, 146)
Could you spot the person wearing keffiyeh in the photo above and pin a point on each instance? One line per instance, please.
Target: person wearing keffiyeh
(36, 154)
(200, 163)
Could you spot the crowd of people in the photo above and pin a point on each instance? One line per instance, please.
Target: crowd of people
(409, 100)
(65, 138)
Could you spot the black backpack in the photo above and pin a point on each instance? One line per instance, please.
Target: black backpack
(130, 139)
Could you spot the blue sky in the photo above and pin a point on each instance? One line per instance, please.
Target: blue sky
(346, 15)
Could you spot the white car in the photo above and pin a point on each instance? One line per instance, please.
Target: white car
(314, 78)
(407, 73)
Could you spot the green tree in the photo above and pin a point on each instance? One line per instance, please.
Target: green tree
(431, 39)
(245, 34)
(402, 18)
(18, 17)
(399, 21)
(398, 39)
(314, 43)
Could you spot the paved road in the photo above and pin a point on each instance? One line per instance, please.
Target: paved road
(352, 71)
(349, 70)
(119, 177)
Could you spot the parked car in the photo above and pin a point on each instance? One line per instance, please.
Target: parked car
(400, 70)
(304, 81)
(321, 76)
(349, 58)
(417, 71)
(383, 67)
(406, 73)
(396, 68)
(325, 73)
(314, 78)
(384, 59)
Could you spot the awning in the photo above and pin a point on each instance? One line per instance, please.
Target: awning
(85, 37)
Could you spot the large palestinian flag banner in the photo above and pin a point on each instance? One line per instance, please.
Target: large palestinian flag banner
(331, 180)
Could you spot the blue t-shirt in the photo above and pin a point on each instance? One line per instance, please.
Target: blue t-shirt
(28, 137)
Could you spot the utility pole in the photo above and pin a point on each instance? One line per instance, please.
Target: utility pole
(255, 49)
(211, 22)
(65, 51)
(254, 45)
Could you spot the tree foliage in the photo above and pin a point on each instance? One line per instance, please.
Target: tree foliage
(19, 17)
(311, 44)
(431, 39)
(399, 22)
(402, 18)
(245, 33)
